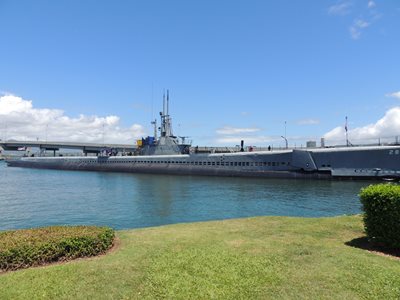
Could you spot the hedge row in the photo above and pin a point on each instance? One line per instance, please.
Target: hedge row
(33, 247)
(381, 205)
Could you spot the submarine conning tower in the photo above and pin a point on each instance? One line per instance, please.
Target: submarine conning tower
(167, 143)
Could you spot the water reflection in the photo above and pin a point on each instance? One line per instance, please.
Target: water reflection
(31, 198)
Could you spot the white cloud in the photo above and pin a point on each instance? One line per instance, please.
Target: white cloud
(394, 95)
(20, 120)
(361, 23)
(371, 4)
(308, 122)
(357, 27)
(386, 127)
(354, 33)
(233, 135)
(249, 140)
(340, 9)
(227, 130)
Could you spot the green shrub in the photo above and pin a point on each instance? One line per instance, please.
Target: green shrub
(32, 247)
(381, 205)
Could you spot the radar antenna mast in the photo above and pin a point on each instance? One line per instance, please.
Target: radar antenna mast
(154, 123)
(166, 128)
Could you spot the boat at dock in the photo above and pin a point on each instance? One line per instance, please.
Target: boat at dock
(169, 154)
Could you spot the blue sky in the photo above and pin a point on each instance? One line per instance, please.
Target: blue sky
(235, 69)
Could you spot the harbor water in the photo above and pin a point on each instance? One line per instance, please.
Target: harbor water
(33, 198)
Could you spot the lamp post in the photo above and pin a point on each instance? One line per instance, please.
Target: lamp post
(284, 137)
(285, 141)
(285, 131)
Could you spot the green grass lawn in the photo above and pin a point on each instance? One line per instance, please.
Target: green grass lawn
(255, 258)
